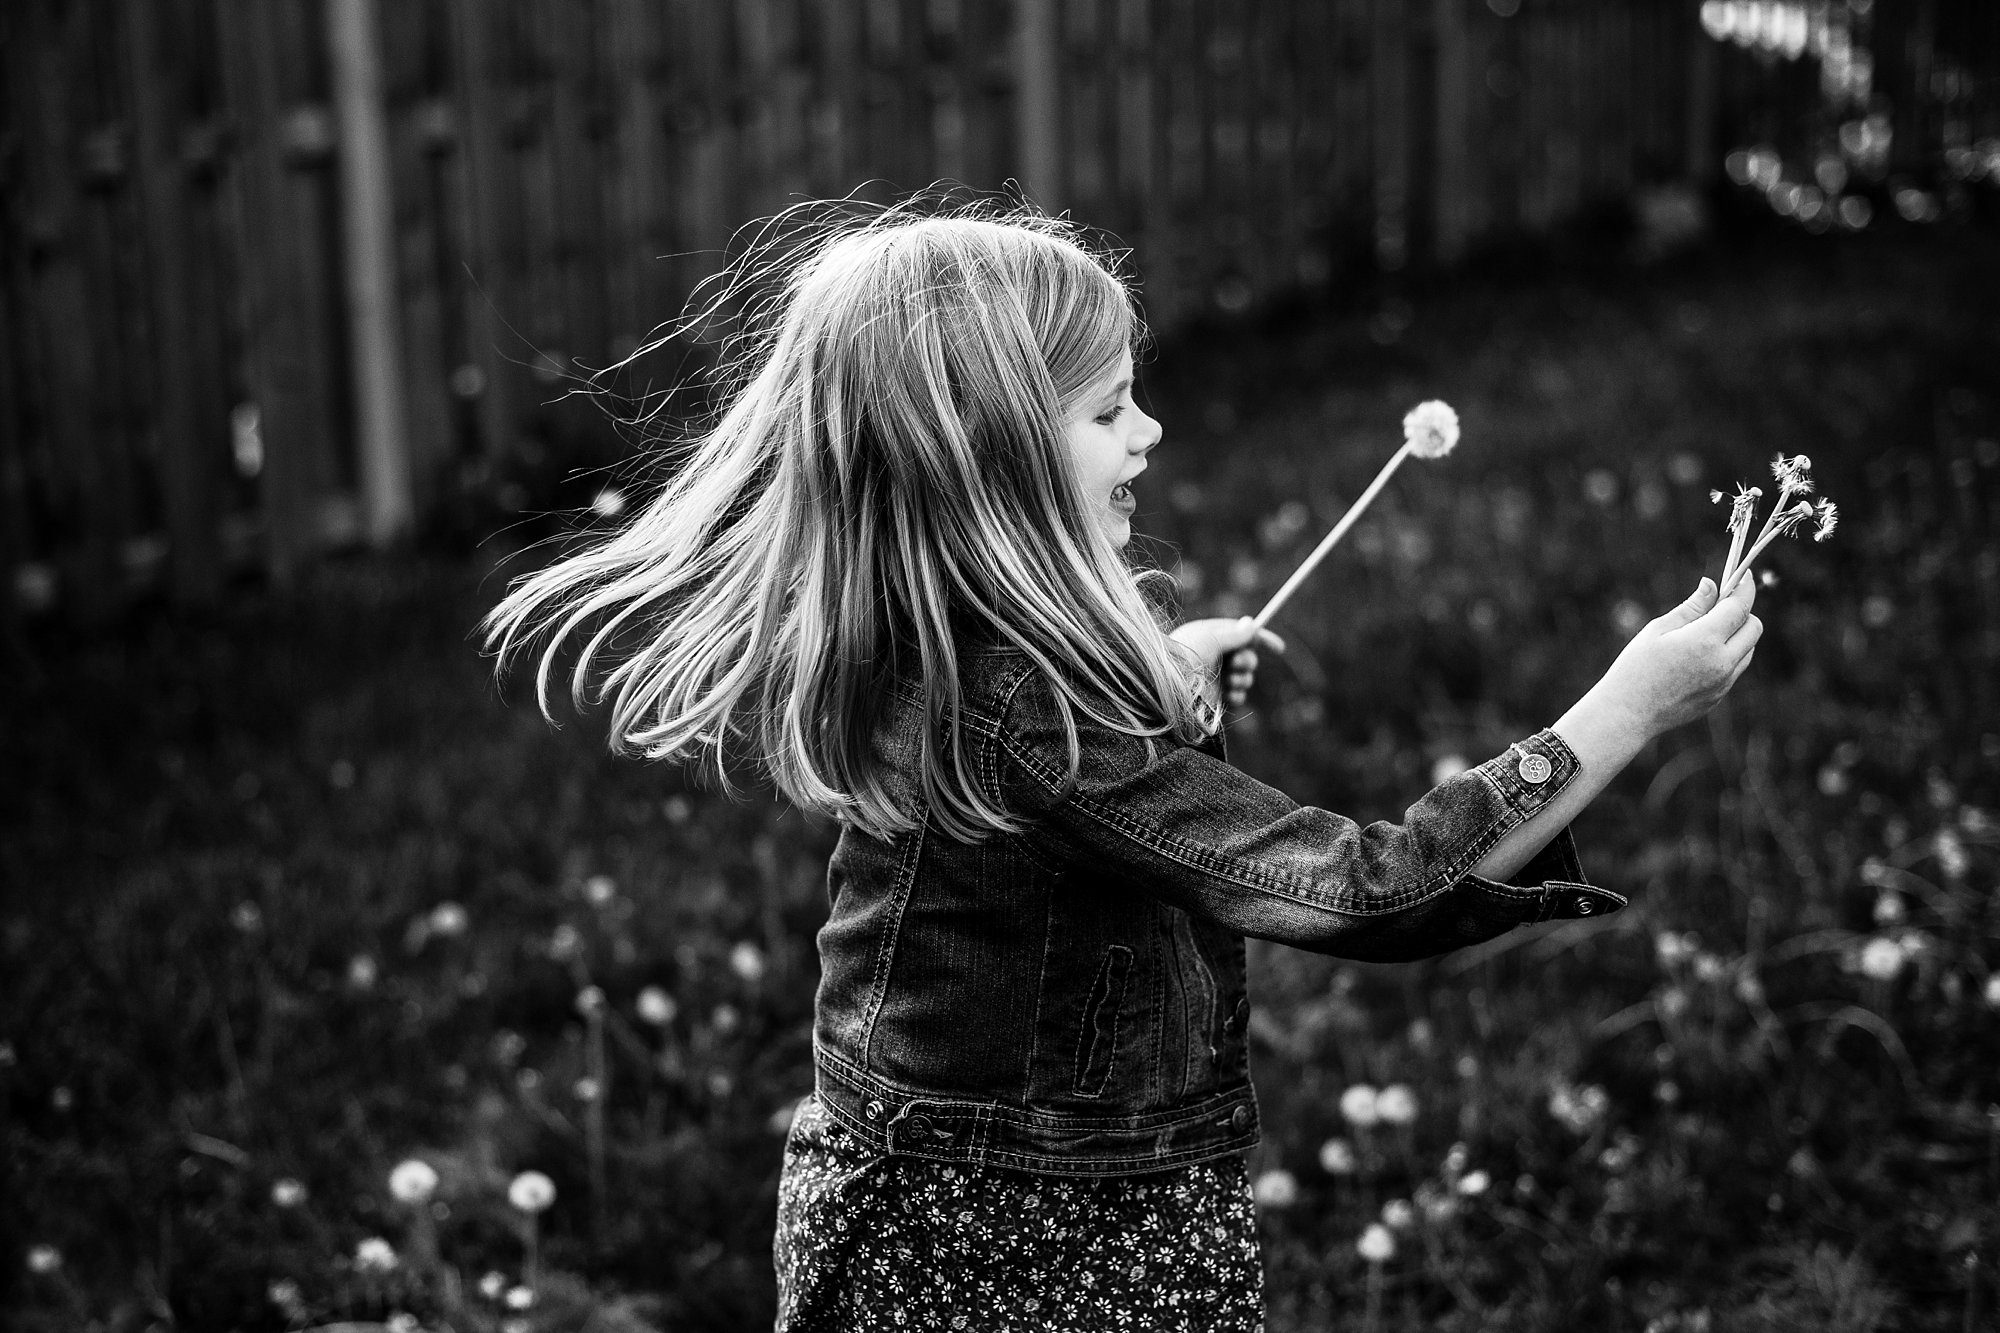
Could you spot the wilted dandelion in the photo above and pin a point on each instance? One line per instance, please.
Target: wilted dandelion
(1882, 958)
(1794, 477)
(1357, 1106)
(531, 1192)
(1276, 1188)
(287, 1193)
(1376, 1245)
(413, 1181)
(656, 1006)
(1396, 1105)
(375, 1255)
(1336, 1156)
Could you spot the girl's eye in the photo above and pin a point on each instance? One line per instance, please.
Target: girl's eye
(1112, 415)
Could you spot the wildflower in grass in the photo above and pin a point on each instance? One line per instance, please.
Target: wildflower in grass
(361, 972)
(1889, 909)
(1336, 1156)
(448, 920)
(1357, 1106)
(1474, 1183)
(1439, 1204)
(493, 1285)
(1399, 1215)
(1276, 1188)
(590, 1000)
(1454, 1159)
(1579, 1108)
(1951, 855)
(746, 960)
(1673, 1002)
(413, 1181)
(1881, 958)
(587, 1089)
(287, 1193)
(1749, 989)
(1708, 968)
(599, 890)
(1376, 1245)
(44, 1259)
(656, 1006)
(520, 1298)
(375, 1255)
(1396, 1105)
(531, 1192)
(565, 942)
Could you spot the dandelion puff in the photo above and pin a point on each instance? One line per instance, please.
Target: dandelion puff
(656, 1006)
(287, 1193)
(413, 1181)
(375, 1255)
(590, 1000)
(44, 1259)
(1357, 1106)
(1336, 1156)
(531, 1192)
(746, 960)
(1474, 1183)
(1430, 429)
(1276, 1188)
(1376, 1245)
(1882, 958)
(1399, 1214)
(1992, 991)
(1396, 1104)
(1828, 515)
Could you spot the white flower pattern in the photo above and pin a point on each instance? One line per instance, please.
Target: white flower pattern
(865, 1240)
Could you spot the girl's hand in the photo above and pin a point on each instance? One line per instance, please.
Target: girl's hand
(1680, 665)
(1223, 647)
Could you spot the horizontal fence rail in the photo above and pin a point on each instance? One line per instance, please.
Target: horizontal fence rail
(282, 275)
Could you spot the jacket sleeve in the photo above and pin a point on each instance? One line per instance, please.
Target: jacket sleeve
(1192, 829)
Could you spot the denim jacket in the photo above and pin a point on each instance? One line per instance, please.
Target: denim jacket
(1071, 999)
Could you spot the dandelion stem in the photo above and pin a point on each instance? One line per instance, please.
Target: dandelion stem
(1339, 530)
(1774, 527)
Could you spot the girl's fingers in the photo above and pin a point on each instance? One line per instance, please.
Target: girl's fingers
(1744, 640)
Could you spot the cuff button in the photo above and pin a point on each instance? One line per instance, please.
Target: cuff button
(1239, 1119)
(1584, 907)
(1535, 770)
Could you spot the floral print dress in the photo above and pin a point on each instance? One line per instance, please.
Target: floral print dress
(867, 1240)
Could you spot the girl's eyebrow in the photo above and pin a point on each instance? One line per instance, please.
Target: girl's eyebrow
(1119, 388)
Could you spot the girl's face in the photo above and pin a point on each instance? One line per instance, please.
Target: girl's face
(1109, 437)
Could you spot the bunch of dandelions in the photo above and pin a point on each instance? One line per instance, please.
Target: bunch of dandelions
(1794, 476)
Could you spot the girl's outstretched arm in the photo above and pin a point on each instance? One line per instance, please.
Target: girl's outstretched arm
(1675, 670)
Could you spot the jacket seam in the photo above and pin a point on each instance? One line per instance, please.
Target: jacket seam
(906, 875)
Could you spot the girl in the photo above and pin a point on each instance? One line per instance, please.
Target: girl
(894, 564)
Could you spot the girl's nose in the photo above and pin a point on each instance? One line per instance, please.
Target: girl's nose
(1149, 432)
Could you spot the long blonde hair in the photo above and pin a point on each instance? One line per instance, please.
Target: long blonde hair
(889, 475)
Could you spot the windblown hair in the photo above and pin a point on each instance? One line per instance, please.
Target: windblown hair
(888, 480)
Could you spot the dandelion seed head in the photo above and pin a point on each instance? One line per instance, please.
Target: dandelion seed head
(1336, 1156)
(44, 1259)
(656, 1006)
(375, 1255)
(1430, 429)
(1276, 1188)
(1399, 1215)
(1881, 958)
(1376, 1245)
(1396, 1104)
(1474, 1183)
(531, 1192)
(1357, 1106)
(287, 1193)
(746, 960)
(413, 1181)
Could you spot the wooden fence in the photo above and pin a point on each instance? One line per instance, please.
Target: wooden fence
(284, 274)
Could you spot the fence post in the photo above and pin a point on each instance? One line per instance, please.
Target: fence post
(368, 245)
(1036, 92)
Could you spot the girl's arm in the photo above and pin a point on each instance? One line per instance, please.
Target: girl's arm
(1674, 670)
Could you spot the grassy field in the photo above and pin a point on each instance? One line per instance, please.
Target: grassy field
(294, 894)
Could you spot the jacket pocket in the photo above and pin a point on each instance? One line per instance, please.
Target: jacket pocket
(1099, 1038)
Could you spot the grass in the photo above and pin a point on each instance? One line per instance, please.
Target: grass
(230, 1004)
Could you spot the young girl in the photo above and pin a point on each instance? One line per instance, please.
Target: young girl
(894, 565)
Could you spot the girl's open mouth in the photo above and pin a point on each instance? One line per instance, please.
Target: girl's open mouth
(1122, 498)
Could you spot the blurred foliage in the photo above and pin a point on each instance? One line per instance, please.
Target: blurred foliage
(296, 895)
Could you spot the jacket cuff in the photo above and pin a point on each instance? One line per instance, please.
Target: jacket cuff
(1552, 885)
